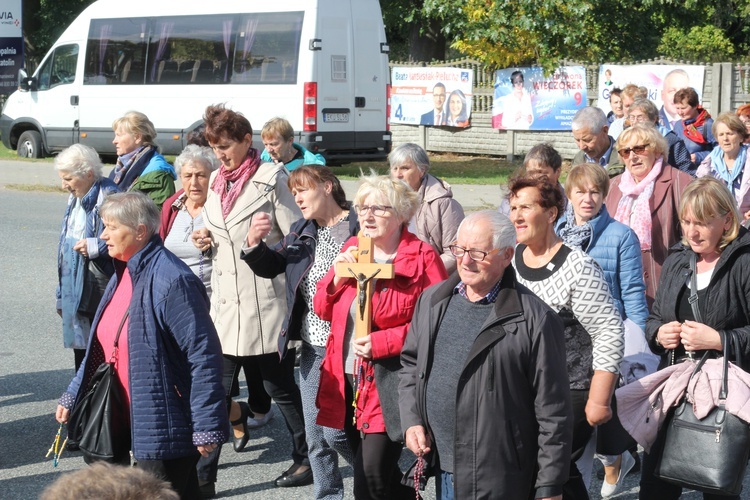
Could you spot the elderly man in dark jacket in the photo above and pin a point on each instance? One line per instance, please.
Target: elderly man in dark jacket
(483, 390)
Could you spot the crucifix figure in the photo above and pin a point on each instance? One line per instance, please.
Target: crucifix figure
(364, 271)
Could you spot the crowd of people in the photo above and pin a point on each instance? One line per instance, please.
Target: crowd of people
(494, 341)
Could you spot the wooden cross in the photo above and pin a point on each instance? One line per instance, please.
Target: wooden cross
(364, 271)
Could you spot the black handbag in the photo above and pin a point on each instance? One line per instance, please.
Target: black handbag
(95, 281)
(709, 454)
(95, 424)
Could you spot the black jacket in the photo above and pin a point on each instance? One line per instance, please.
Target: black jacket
(727, 302)
(513, 411)
(293, 255)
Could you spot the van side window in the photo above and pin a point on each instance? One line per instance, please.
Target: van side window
(197, 50)
(116, 51)
(267, 48)
(59, 68)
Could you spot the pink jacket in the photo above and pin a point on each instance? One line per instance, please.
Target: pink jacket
(643, 405)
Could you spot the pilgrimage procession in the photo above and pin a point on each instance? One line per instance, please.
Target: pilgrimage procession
(231, 303)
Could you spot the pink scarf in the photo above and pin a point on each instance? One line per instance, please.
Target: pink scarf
(238, 177)
(634, 210)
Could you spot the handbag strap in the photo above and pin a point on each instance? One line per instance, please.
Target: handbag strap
(693, 299)
(726, 340)
(117, 337)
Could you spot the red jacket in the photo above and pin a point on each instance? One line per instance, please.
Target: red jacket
(169, 214)
(417, 266)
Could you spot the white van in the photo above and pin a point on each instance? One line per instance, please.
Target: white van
(321, 64)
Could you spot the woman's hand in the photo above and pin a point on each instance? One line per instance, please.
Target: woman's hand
(81, 247)
(62, 414)
(362, 347)
(202, 239)
(699, 337)
(668, 335)
(260, 226)
(350, 256)
(205, 449)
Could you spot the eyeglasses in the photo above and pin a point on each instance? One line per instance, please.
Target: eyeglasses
(518, 82)
(637, 118)
(639, 150)
(475, 255)
(377, 210)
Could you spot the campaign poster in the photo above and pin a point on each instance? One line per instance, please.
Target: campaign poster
(11, 45)
(662, 82)
(525, 99)
(431, 96)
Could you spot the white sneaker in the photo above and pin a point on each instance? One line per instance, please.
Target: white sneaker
(626, 464)
(255, 423)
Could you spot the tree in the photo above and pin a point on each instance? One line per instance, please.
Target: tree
(699, 43)
(505, 33)
(44, 21)
(411, 33)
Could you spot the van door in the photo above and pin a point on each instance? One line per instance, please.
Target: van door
(370, 67)
(335, 75)
(56, 98)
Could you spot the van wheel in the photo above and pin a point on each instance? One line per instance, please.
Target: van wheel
(30, 145)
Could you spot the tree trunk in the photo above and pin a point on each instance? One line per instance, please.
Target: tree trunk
(426, 42)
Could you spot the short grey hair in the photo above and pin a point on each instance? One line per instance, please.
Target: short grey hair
(132, 209)
(410, 152)
(79, 160)
(396, 192)
(591, 118)
(197, 155)
(503, 231)
(648, 107)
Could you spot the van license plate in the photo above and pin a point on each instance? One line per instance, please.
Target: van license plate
(336, 117)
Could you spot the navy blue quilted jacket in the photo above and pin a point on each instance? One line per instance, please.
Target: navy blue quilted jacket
(177, 399)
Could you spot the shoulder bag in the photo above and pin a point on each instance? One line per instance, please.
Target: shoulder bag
(95, 422)
(709, 454)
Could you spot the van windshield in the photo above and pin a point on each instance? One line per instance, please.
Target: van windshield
(197, 50)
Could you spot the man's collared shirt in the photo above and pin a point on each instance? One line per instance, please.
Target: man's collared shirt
(487, 299)
(604, 160)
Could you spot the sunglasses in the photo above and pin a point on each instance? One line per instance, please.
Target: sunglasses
(639, 150)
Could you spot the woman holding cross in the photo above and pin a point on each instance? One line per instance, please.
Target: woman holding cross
(359, 376)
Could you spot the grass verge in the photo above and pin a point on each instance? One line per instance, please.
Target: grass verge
(35, 187)
(455, 169)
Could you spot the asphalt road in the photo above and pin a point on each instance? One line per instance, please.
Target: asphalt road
(35, 369)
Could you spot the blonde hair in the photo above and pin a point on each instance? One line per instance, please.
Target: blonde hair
(136, 123)
(644, 134)
(400, 196)
(584, 174)
(277, 126)
(707, 198)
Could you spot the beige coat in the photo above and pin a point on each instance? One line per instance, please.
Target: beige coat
(438, 217)
(248, 310)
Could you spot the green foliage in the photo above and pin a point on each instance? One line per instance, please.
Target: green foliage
(45, 20)
(699, 43)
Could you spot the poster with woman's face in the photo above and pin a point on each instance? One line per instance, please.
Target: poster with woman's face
(431, 96)
(525, 99)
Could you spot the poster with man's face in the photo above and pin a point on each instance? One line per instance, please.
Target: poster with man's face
(662, 82)
(431, 96)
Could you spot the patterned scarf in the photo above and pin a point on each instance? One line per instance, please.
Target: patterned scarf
(572, 234)
(633, 209)
(126, 161)
(691, 130)
(238, 177)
